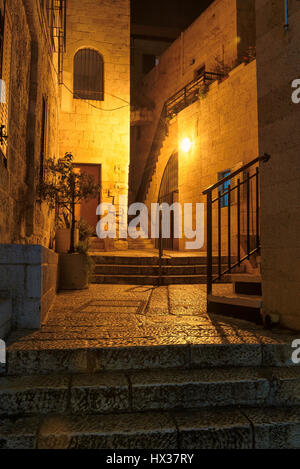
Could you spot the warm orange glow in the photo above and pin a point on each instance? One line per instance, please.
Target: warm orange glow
(186, 145)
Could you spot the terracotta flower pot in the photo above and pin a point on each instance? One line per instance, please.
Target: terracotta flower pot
(73, 272)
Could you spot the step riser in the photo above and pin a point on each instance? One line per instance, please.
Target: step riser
(144, 261)
(234, 311)
(131, 394)
(245, 288)
(44, 362)
(148, 270)
(245, 428)
(106, 279)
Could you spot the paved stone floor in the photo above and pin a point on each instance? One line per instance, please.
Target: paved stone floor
(126, 315)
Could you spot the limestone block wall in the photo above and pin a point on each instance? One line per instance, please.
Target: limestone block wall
(98, 131)
(28, 276)
(216, 34)
(23, 218)
(223, 129)
(278, 66)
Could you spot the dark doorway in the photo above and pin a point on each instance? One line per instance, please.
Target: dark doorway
(168, 193)
(87, 209)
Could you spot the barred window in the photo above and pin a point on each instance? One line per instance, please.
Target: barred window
(88, 75)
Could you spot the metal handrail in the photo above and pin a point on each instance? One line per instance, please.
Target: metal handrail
(264, 158)
(210, 201)
(177, 102)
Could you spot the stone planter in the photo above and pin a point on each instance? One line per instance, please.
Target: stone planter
(62, 239)
(73, 272)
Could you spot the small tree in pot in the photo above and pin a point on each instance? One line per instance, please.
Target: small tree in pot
(65, 188)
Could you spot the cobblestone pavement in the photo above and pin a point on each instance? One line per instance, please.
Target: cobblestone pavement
(126, 315)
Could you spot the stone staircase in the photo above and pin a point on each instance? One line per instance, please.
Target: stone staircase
(246, 298)
(168, 397)
(139, 270)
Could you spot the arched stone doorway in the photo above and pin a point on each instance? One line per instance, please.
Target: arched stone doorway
(168, 193)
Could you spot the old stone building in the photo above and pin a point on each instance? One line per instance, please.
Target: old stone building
(95, 123)
(197, 118)
(218, 116)
(278, 49)
(65, 75)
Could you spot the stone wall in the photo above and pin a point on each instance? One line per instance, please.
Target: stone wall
(28, 277)
(278, 66)
(23, 218)
(98, 131)
(211, 39)
(223, 129)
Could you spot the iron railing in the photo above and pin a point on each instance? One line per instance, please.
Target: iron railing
(233, 227)
(190, 93)
(176, 103)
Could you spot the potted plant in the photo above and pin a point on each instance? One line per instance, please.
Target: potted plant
(63, 231)
(64, 188)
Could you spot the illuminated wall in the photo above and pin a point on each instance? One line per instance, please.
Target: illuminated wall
(33, 64)
(216, 36)
(98, 131)
(279, 117)
(223, 129)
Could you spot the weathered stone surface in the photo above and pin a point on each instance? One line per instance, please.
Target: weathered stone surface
(115, 327)
(20, 433)
(285, 389)
(133, 431)
(217, 429)
(33, 394)
(99, 393)
(30, 362)
(278, 354)
(275, 428)
(197, 388)
(224, 355)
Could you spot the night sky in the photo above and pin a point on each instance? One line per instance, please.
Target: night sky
(167, 13)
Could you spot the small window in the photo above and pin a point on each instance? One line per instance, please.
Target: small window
(88, 75)
(224, 187)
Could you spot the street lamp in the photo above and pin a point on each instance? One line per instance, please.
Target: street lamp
(186, 145)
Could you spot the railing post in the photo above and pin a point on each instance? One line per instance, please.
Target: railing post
(239, 221)
(257, 209)
(219, 236)
(209, 242)
(160, 249)
(248, 213)
(229, 228)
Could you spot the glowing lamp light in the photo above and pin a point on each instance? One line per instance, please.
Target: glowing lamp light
(186, 145)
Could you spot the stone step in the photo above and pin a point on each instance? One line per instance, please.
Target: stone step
(152, 279)
(247, 284)
(110, 392)
(218, 428)
(148, 270)
(210, 429)
(153, 260)
(35, 360)
(239, 306)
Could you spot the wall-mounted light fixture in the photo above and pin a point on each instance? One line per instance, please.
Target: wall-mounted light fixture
(186, 145)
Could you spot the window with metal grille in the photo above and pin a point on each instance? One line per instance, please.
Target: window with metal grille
(5, 63)
(88, 75)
